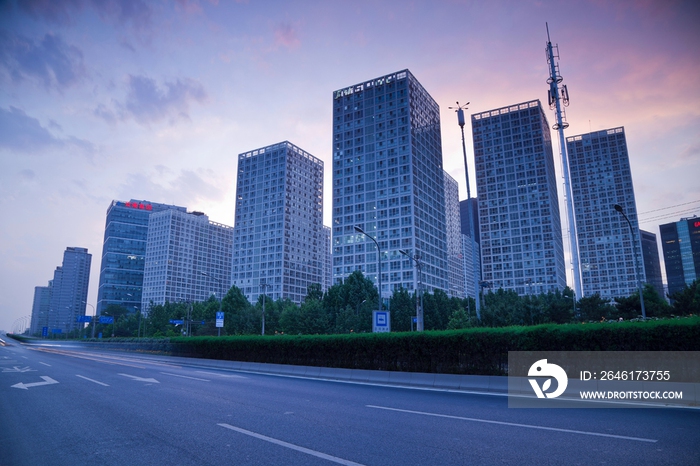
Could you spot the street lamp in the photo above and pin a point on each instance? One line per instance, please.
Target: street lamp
(419, 309)
(264, 287)
(460, 120)
(618, 207)
(94, 317)
(379, 264)
(221, 298)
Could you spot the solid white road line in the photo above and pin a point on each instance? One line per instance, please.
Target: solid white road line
(91, 380)
(44, 364)
(185, 377)
(512, 424)
(291, 446)
(222, 375)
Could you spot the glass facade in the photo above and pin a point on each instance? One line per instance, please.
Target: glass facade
(388, 180)
(124, 252)
(279, 237)
(188, 258)
(652, 264)
(600, 178)
(455, 260)
(680, 242)
(519, 222)
(69, 290)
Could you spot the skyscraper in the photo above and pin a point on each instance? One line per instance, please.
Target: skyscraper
(519, 222)
(455, 259)
(69, 290)
(680, 242)
(278, 238)
(470, 284)
(188, 258)
(600, 179)
(40, 308)
(124, 252)
(388, 181)
(327, 260)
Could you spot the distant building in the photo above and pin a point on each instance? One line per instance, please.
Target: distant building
(652, 263)
(519, 221)
(40, 309)
(680, 242)
(388, 181)
(470, 283)
(328, 260)
(455, 259)
(69, 291)
(124, 252)
(188, 258)
(600, 179)
(279, 238)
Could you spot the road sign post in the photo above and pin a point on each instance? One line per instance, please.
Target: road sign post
(381, 321)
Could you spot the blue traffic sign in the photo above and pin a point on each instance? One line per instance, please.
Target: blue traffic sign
(106, 320)
(177, 321)
(83, 319)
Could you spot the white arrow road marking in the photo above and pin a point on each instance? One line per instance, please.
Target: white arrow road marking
(140, 379)
(185, 377)
(25, 386)
(18, 369)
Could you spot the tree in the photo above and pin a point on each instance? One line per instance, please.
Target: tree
(239, 315)
(595, 308)
(687, 300)
(403, 309)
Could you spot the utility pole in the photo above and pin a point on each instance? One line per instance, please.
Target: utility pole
(558, 95)
(476, 270)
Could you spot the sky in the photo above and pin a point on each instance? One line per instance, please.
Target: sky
(105, 100)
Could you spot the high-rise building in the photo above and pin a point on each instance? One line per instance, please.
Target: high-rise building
(519, 222)
(188, 258)
(40, 308)
(278, 239)
(680, 242)
(600, 179)
(327, 260)
(652, 263)
(455, 260)
(124, 252)
(388, 182)
(69, 291)
(470, 283)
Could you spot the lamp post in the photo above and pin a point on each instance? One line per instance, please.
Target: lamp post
(460, 120)
(94, 317)
(618, 207)
(221, 298)
(419, 308)
(379, 264)
(264, 286)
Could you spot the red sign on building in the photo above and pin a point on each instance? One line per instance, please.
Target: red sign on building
(138, 205)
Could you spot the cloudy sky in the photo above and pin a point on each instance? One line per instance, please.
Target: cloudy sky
(122, 99)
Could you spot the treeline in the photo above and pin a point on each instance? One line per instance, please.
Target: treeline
(347, 308)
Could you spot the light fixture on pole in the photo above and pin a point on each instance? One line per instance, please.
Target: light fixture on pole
(419, 308)
(379, 264)
(460, 120)
(264, 287)
(618, 207)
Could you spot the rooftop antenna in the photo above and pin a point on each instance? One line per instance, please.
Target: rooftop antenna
(558, 98)
(460, 120)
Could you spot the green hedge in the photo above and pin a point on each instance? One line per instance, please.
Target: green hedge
(479, 351)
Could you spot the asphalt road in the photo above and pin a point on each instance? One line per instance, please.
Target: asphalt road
(63, 405)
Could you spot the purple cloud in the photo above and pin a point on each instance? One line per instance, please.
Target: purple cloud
(21, 133)
(147, 102)
(286, 36)
(51, 61)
